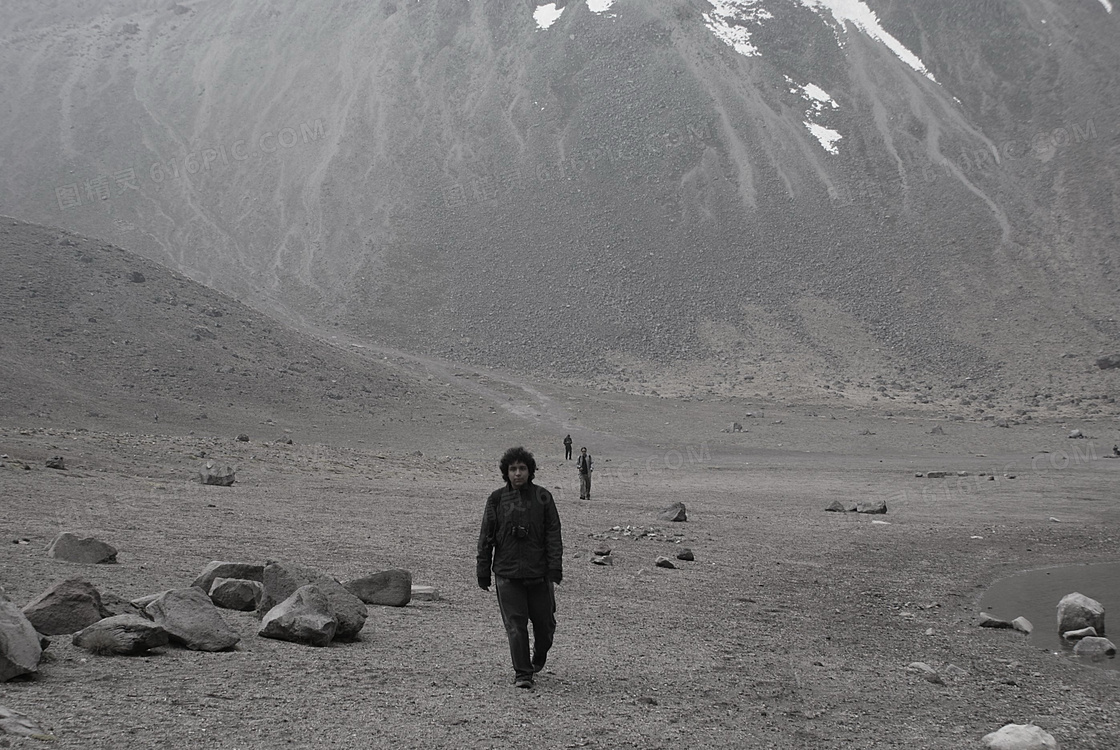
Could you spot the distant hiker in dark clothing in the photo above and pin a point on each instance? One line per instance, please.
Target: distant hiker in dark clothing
(583, 464)
(568, 448)
(520, 542)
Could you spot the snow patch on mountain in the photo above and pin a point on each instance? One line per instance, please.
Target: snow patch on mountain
(729, 22)
(863, 18)
(546, 15)
(819, 101)
(826, 136)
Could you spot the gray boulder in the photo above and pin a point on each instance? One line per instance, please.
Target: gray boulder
(20, 650)
(66, 607)
(122, 635)
(217, 569)
(218, 475)
(389, 588)
(191, 619)
(281, 580)
(664, 562)
(837, 507)
(1020, 737)
(70, 548)
(1095, 648)
(304, 617)
(236, 593)
(674, 513)
(875, 507)
(1023, 625)
(686, 555)
(1076, 611)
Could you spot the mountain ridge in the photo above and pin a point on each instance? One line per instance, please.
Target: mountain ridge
(624, 185)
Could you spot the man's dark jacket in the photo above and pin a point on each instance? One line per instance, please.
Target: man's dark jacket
(534, 553)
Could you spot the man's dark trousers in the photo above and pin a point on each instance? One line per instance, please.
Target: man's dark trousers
(521, 601)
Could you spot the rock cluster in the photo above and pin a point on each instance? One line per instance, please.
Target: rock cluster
(871, 507)
(296, 603)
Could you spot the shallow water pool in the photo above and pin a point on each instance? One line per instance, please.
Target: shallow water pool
(1034, 594)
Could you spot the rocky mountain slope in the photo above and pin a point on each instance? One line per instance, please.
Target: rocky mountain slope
(739, 196)
(94, 337)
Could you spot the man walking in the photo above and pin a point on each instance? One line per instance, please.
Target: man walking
(567, 447)
(520, 542)
(583, 464)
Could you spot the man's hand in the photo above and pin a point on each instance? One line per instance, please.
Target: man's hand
(484, 583)
(556, 576)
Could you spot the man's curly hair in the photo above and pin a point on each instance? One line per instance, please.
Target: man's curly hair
(516, 455)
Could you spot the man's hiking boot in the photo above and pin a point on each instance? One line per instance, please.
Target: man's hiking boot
(523, 682)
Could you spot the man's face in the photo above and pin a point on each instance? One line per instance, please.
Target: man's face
(518, 474)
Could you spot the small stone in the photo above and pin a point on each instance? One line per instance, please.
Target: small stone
(1023, 625)
(686, 555)
(954, 671)
(603, 560)
(664, 562)
(58, 462)
(87, 550)
(987, 621)
(1095, 648)
(123, 635)
(1073, 635)
(423, 593)
(674, 513)
(389, 588)
(217, 475)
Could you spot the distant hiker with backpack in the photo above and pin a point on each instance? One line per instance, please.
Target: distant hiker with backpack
(567, 447)
(583, 464)
(520, 544)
